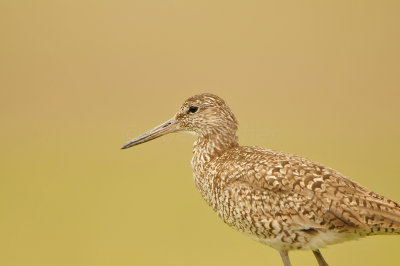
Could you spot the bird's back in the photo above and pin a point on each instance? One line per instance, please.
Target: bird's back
(276, 196)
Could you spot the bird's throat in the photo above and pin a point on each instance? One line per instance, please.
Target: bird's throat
(208, 147)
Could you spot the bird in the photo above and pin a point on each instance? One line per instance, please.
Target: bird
(280, 199)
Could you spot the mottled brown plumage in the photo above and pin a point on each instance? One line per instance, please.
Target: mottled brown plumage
(283, 200)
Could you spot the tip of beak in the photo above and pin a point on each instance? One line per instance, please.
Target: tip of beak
(124, 147)
(165, 128)
(128, 145)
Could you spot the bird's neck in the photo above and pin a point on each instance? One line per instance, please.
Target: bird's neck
(207, 148)
(212, 144)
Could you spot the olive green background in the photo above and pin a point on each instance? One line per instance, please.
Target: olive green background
(80, 78)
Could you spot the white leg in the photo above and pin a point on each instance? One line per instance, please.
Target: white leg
(285, 258)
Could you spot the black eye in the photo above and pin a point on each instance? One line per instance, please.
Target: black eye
(193, 109)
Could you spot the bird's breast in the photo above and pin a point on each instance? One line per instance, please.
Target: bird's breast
(208, 187)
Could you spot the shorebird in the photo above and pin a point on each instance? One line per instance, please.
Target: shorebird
(279, 199)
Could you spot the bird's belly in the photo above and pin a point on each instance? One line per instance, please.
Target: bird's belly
(294, 241)
(279, 232)
(280, 236)
(277, 228)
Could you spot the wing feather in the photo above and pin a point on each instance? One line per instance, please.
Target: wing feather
(316, 195)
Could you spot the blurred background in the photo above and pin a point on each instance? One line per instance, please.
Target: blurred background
(80, 78)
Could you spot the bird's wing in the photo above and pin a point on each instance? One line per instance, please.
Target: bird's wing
(319, 195)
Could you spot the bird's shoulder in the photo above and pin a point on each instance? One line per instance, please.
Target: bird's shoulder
(274, 170)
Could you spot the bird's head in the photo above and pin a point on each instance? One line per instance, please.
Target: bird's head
(202, 115)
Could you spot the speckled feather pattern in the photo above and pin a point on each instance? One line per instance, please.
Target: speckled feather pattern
(282, 200)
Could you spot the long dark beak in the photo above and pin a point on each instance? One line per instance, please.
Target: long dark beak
(163, 129)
